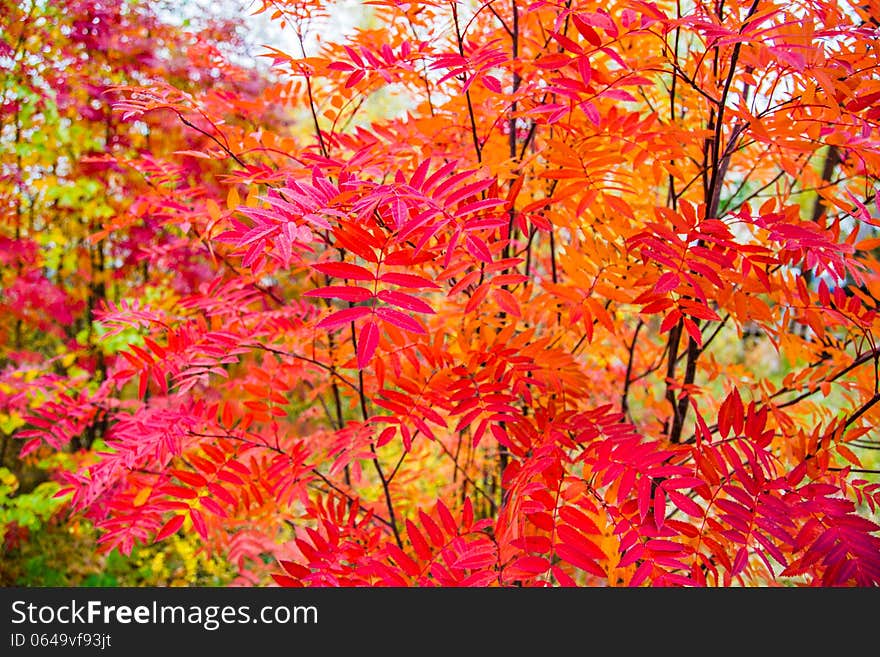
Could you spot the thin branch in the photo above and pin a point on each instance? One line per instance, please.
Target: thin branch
(624, 403)
(467, 93)
(465, 476)
(375, 459)
(329, 368)
(862, 410)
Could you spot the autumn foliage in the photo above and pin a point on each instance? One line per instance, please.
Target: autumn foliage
(475, 293)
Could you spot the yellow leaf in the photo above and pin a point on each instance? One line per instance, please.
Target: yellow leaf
(232, 199)
(142, 496)
(213, 209)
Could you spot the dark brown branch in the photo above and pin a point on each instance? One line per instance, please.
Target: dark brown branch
(717, 178)
(473, 120)
(690, 372)
(624, 402)
(378, 466)
(862, 410)
(317, 363)
(313, 470)
(672, 358)
(465, 476)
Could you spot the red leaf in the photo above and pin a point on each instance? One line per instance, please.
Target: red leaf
(469, 190)
(467, 514)
(657, 306)
(507, 302)
(344, 292)
(386, 436)
(577, 518)
(553, 61)
(446, 518)
(575, 539)
(586, 31)
(213, 507)
(198, 522)
(219, 491)
(659, 507)
(693, 330)
(367, 343)
(403, 560)
(407, 280)
(180, 492)
(670, 320)
(477, 556)
(562, 577)
(644, 497)
(284, 580)
(294, 569)
(434, 532)
(491, 83)
(526, 567)
(577, 558)
(354, 78)
(191, 478)
(477, 297)
(359, 241)
(420, 545)
(344, 270)
(435, 177)
(169, 528)
(156, 349)
(344, 316)
(698, 310)
(567, 43)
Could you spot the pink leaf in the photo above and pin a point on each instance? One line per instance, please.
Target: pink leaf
(641, 573)
(739, 563)
(407, 280)
(477, 248)
(666, 283)
(491, 83)
(399, 319)
(406, 301)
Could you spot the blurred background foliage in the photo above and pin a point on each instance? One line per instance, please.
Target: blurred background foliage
(42, 546)
(61, 183)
